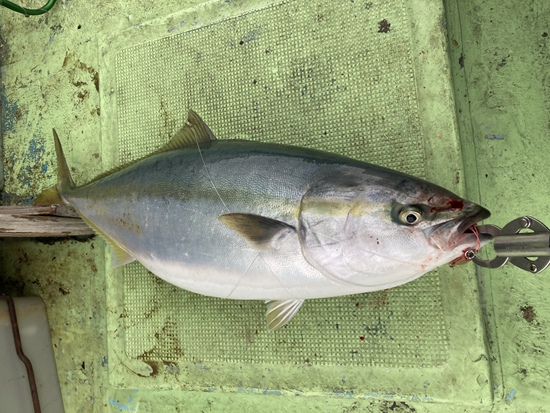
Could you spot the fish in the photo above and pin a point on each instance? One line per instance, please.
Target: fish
(242, 219)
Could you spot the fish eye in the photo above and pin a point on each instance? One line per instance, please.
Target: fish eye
(410, 215)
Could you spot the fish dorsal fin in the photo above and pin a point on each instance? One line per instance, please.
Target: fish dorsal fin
(120, 256)
(280, 312)
(260, 232)
(194, 131)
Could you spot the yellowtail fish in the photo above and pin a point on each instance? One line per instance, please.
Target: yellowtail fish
(248, 220)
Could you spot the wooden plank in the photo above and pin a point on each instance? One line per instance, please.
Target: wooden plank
(41, 221)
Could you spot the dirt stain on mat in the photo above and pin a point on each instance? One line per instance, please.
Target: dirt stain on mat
(528, 313)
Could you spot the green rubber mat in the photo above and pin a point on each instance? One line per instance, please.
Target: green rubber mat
(366, 79)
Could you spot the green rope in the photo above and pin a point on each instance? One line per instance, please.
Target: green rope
(28, 12)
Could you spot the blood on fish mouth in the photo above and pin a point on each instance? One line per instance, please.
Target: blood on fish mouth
(457, 232)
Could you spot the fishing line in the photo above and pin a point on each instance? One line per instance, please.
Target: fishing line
(275, 276)
(242, 276)
(210, 177)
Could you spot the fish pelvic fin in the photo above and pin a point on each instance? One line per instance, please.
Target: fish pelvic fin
(280, 312)
(258, 231)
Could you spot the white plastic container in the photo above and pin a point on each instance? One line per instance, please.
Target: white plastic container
(15, 392)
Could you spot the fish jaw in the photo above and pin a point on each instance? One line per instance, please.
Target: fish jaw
(456, 235)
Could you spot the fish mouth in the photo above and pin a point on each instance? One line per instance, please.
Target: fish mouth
(473, 219)
(462, 231)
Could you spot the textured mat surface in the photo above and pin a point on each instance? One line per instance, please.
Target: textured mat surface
(387, 328)
(335, 76)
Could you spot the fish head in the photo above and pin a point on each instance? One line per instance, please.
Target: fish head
(439, 218)
(381, 231)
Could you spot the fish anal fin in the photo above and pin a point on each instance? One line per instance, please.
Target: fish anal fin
(260, 232)
(280, 312)
(120, 256)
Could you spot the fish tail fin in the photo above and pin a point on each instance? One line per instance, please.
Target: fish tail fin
(65, 182)
(64, 179)
(48, 197)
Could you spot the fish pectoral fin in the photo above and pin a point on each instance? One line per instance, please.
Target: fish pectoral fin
(280, 312)
(260, 232)
(192, 132)
(120, 256)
